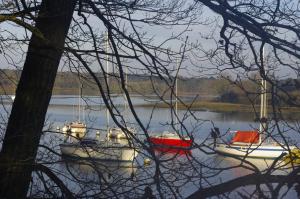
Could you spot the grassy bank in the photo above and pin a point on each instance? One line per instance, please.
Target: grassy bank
(222, 107)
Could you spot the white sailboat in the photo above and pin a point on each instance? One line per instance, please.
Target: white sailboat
(106, 150)
(171, 141)
(116, 132)
(76, 128)
(253, 144)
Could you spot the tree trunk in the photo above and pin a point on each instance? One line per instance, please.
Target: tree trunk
(33, 94)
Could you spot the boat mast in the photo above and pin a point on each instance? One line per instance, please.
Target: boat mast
(125, 97)
(107, 77)
(176, 93)
(82, 106)
(176, 89)
(79, 101)
(263, 100)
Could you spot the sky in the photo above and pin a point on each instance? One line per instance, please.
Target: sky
(195, 33)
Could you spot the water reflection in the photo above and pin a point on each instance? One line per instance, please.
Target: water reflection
(241, 167)
(171, 152)
(233, 168)
(110, 169)
(130, 175)
(98, 178)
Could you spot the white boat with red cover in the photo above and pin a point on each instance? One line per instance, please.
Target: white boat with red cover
(247, 144)
(256, 143)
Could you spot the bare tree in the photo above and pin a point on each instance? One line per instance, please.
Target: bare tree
(88, 34)
(33, 92)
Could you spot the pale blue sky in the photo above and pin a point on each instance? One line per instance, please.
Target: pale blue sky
(159, 34)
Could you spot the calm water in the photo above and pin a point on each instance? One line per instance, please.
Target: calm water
(65, 109)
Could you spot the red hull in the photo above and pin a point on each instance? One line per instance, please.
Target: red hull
(172, 143)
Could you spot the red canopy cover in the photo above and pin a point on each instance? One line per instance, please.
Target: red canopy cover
(246, 136)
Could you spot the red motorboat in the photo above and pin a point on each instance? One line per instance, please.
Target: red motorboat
(168, 141)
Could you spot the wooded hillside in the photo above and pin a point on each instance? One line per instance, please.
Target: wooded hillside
(207, 89)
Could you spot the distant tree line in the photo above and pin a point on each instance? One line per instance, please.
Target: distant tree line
(220, 89)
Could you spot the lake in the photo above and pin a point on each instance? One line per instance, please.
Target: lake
(130, 178)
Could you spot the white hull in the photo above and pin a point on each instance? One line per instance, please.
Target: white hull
(102, 151)
(252, 151)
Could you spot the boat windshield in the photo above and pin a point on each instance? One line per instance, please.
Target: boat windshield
(229, 137)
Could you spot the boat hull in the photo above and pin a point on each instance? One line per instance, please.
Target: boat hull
(252, 151)
(105, 153)
(172, 143)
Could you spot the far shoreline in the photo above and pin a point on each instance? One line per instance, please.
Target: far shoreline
(221, 107)
(212, 106)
